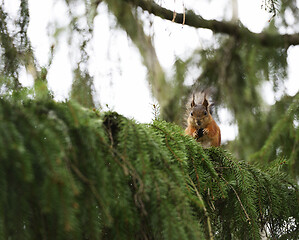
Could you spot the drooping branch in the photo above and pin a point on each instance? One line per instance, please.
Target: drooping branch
(237, 30)
(101, 175)
(134, 29)
(161, 88)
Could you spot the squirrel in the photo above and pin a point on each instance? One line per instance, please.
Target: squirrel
(201, 124)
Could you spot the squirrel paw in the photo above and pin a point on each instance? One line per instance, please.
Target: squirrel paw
(199, 133)
(206, 131)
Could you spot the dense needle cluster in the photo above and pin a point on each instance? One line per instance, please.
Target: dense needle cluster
(71, 173)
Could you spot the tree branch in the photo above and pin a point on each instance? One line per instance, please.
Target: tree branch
(128, 21)
(230, 28)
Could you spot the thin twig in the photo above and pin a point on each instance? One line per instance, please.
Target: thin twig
(184, 15)
(93, 190)
(80, 174)
(174, 16)
(247, 216)
(210, 234)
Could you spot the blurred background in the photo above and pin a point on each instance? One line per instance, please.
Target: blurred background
(115, 55)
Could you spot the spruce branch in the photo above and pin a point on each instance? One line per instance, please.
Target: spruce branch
(278, 129)
(135, 168)
(134, 28)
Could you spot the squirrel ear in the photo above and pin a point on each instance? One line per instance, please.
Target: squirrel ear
(205, 102)
(192, 102)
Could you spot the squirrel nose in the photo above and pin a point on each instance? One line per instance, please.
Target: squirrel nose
(198, 122)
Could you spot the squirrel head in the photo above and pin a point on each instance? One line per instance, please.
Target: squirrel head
(199, 116)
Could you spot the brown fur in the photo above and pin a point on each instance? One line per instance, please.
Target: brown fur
(201, 118)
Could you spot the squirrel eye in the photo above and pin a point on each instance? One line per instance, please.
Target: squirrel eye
(191, 113)
(205, 113)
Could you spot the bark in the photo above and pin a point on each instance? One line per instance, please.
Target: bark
(235, 29)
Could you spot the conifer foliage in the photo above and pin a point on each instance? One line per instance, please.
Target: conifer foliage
(71, 173)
